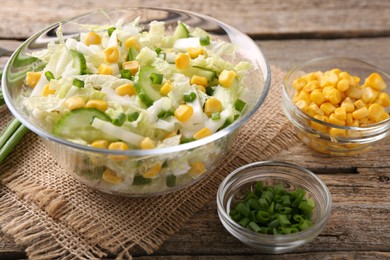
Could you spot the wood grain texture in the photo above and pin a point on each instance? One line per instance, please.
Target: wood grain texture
(258, 18)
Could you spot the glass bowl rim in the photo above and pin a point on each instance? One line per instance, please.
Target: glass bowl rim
(134, 152)
(266, 238)
(308, 117)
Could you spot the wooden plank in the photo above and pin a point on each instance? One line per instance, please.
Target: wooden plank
(261, 19)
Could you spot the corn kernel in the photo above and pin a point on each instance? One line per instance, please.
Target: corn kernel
(303, 95)
(329, 79)
(344, 75)
(133, 66)
(340, 113)
(152, 172)
(200, 88)
(170, 134)
(359, 104)
(383, 116)
(299, 83)
(125, 89)
(182, 61)
(111, 177)
(132, 42)
(74, 102)
(318, 126)
(328, 108)
(302, 105)
(204, 132)
(313, 110)
(147, 143)
(111, 54)
(103, 144)
(363, 121)
(360, 113)
(348, 106)
(226, 78)
(105, 69)
(355, 80)
(32, 78)
(334, 120)
(166, 88)
(354, 92)
(375, 111)
(183, 112)
(212, 105)
(375, 81)
(369, 95)
(92, 38)
(47, 90)
(337, 132)
(199, 80)
(334, 96)
(194, 52)
(97, 103)
(349, 119)
(383, 99)
(343, 85)
(197, 169)
(317, 97)
(118, 146)
(312, 85)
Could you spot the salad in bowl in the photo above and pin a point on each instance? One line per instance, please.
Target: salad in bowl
(133, 102)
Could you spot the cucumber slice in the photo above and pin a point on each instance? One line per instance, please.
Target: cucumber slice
(80, 62)
(77, 124)
(181, 31)
(146, 90)
(209, 74)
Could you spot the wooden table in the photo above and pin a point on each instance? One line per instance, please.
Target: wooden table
(288, 32)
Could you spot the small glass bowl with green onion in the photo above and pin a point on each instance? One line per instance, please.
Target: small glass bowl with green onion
(273, 206)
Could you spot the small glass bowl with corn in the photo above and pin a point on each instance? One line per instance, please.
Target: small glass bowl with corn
(338, 106)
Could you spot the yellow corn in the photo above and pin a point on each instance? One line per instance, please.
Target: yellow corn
(92, 38)
(182, 61)
(313, 110)
(132, 42)
(369, 95)
(299, 83)
(334, 120)
(383, 99)
(105, 69)
(147, 143)
(152, 172)
(317, 97)
(125, 89)
(197, 169)
(202, 133)
(349, 119)
(340, 113)
(226, 78)
(329, 79)
(337, 132)
(359, 104)
(97, 103)
(183, 112)
(348, 106)
(344, 75)
(354, 92)
(133, 66)
(212, 105)
(334, 96)
(303, 95)
(199, 80)
(194, 52)
(111, 54)
(47, 90)
(375, 81)
(118, 146)
(360, 113)
(103, 144)
(166, 88)
(383, 116)
(328, 108)
(375, 112)
(32, 78)
(74, 102)
(302, 105)
(311, 86)
(111, 177)
(170, 134)
(318, 126)
(343, 85)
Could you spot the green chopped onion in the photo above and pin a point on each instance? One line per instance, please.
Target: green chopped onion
(171, 180)
(133, 116)
(204, 40)
(49, 75)
(132, 54)
(215, 116)
(243, 209)
(158, 51)
(189, 97)
(140, 180)
(164, 114)
(119, 119)
(156, 78)
(239, 105)
(209, 91)
(78, 83)
(187, 140)
(110, 31)
(244, 221)
(125, 74)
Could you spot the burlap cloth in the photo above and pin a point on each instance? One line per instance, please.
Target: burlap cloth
(54, 216)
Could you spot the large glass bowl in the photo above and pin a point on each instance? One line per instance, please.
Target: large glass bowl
(87, 163)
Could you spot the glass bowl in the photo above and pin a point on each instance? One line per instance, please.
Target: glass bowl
(316, 133)
(87, 163)
(239, 182)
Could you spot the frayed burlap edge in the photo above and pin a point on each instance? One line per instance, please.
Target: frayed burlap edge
(30, 212)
